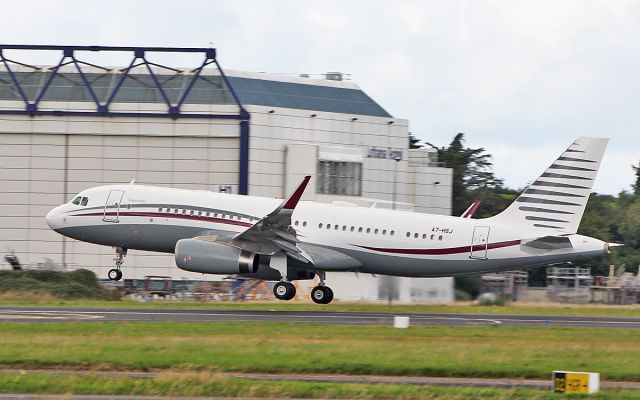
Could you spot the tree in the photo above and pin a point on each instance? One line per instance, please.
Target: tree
(471, 171)
(636, 185)
(414, 142)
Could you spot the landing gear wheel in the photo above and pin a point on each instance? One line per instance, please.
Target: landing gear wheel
(322, 295)
(284, 290)
(115, 274)
(329, 294)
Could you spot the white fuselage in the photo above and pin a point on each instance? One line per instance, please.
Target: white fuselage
(382, 241)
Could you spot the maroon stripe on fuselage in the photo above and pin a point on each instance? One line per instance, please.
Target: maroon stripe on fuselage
(165, 215)
(445, 251)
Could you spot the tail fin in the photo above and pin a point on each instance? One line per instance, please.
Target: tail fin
(557, 199)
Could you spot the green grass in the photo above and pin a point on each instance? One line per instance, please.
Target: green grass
(306, 348)
(562, 310)
(204, 384)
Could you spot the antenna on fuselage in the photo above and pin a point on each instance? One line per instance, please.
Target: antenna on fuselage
(133, 181)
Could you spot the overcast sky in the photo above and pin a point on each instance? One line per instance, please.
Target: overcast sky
(522, 79)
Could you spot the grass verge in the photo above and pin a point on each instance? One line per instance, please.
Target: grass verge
(204, 384)
(13, 299)
(306, 348)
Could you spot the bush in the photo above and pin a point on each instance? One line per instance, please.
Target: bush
(79, 284)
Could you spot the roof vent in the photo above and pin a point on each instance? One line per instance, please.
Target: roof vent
(333, 76)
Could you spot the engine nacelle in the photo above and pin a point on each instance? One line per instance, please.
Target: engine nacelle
(214, 258)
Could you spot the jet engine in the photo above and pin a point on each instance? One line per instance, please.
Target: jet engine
(214, 258)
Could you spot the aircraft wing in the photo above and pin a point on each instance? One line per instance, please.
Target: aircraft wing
(273, 233)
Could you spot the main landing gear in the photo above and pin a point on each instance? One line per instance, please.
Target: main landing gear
(321, 294)
(284, 290)
(115, 274)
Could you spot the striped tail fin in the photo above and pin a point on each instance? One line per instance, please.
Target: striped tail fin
(557, 199)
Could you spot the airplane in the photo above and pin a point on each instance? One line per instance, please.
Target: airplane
(287, 240)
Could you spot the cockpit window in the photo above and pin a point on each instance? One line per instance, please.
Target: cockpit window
(84, 201)
(77, 200)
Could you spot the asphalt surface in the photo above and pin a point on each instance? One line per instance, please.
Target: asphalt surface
(60, 314)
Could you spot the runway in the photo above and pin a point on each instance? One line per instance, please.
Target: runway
(67, 314)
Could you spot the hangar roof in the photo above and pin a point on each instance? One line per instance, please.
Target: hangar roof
(251, 88)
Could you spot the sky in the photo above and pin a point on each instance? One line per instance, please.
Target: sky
(521, 79)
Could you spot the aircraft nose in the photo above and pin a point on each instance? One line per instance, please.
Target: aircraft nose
(53, 218)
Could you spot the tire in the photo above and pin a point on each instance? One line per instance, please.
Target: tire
(322, 295)
(318, 295)
(328, 295)
(284, 291)
(114, 274)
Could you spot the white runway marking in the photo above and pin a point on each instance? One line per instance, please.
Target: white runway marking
(59, 315)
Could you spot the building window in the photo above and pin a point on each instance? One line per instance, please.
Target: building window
(336, 177)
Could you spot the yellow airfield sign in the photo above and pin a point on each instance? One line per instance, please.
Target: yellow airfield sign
(575, 382)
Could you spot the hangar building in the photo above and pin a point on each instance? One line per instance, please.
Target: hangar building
(73, 125)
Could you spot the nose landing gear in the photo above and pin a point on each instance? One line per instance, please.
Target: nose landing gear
(115, 274)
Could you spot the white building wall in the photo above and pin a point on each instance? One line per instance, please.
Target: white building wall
(37, 153)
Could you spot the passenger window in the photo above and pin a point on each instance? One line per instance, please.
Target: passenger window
(368, 230)
(77, 200)
(184, 211)
(376, 231)
(239, 217)
(353, 228)
(432, 236)
(360, 230)
(440, 237)
(304, 223)
(215, 215)
(408, 234)
(192, 212)
(160, 209)
(344, 227)
(168, 210)
(320, 225)
(392, 233)
(424, 235)
(296, 223)
(328, 226)
(199, 213)
(415, 235)
(336, 227)
(84, 201)
(208, 213)
(384, 231)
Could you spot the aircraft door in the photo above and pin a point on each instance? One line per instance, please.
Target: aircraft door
(479, 242)
(112, 206)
